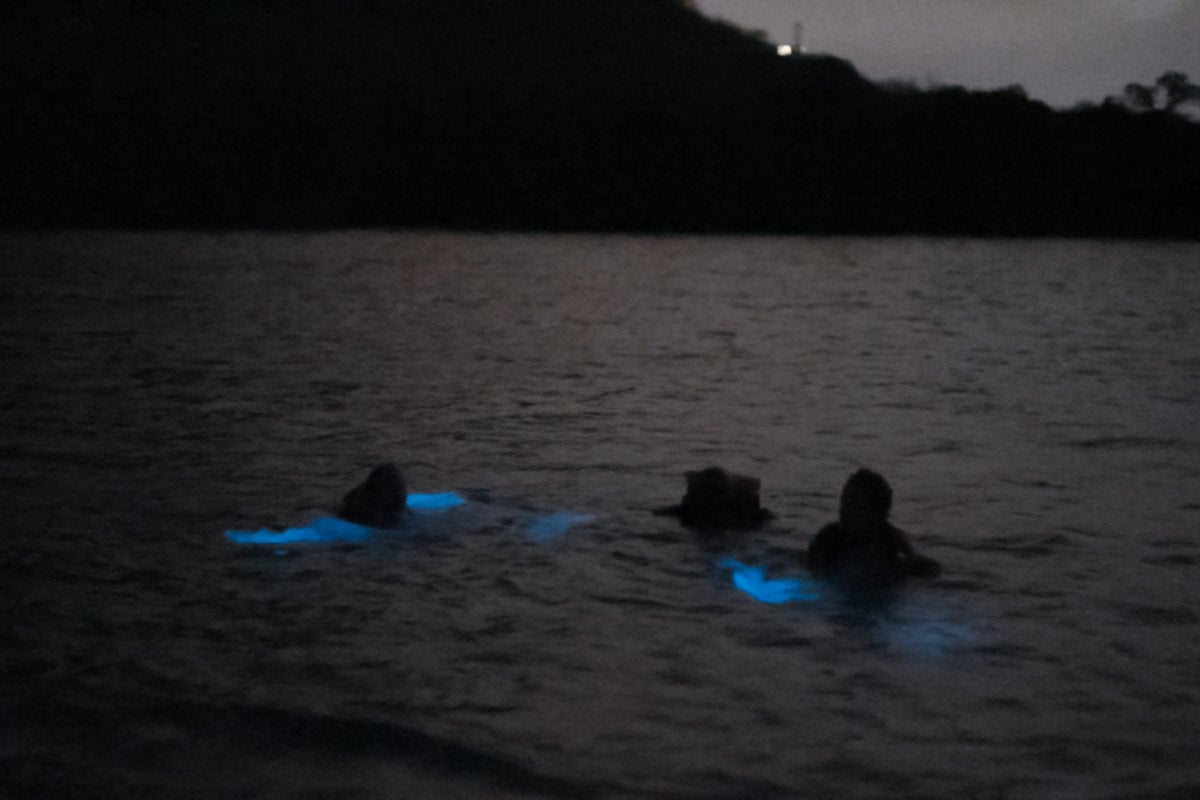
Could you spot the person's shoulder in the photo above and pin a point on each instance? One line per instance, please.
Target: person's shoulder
(831, 532)
(919, 566)
(824, 548)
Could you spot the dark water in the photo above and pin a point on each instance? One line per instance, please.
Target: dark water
(1034, 405)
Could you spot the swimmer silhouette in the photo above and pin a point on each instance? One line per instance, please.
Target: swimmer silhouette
(863, 547)
(718, 499)
(377, 502)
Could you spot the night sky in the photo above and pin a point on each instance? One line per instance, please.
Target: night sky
(1062, 51)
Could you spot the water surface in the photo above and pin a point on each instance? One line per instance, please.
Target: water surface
(1034, 405)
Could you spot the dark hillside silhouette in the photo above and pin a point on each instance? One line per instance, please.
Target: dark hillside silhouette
(536, 114)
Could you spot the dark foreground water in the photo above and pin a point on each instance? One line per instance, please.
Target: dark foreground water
(1034, 405)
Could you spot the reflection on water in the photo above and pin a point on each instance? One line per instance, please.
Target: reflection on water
(1033, 404)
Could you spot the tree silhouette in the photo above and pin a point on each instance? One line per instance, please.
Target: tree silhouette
(1138, 97)
(1171, 90)
(1175, 89)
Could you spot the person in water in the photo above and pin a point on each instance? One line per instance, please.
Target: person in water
(719, 499)
(863, 546)
(377, 502)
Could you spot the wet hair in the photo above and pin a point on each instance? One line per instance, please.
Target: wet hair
(385, 481)
(865, 492)
(715, 489)
(379, 500)
(708, 485)
(717, 499)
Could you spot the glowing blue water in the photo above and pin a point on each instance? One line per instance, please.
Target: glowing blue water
(930, 638)
(438, 501)
(332, 529)
(753, 581)
(551, 526)
(325, 529)
(1032, 403)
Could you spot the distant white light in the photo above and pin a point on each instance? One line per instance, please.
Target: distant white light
(784, 50)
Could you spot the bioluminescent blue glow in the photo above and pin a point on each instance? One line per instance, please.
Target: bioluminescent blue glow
(930, 638)
(550, 526)
(435, 502)
(325, 529)
(332, 529)
(754, 582)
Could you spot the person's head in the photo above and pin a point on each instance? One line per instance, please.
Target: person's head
(708, 487)
(379, 500)
(866, 499)
(723, 497)
(385, 486)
